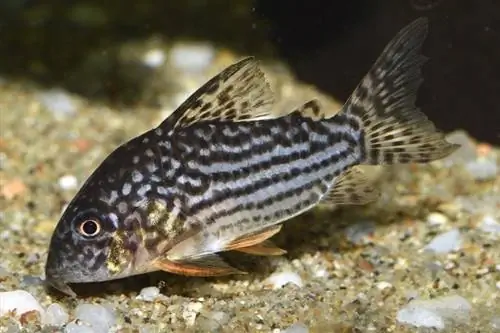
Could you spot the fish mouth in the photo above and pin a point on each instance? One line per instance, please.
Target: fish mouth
(60, 285)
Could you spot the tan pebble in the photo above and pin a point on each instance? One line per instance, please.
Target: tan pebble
(13, 188)
(483, 149)
(45, 227)
(450, 209)
(32, 316)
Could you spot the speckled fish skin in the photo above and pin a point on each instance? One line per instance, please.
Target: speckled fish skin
(222, 173)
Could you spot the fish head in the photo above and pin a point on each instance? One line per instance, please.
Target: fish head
(81, 246)
(100, 235)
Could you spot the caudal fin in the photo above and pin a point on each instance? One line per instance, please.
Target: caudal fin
(393, 130)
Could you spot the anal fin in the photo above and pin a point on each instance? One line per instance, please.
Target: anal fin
(252, 239)
(266, 248)
(351, 188)
(210, 265)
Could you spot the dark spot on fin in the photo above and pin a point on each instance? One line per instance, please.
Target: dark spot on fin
(312, 109)
(351, 188)
(252, 239)
(210, 265)
(266, 248)
(393, 128)
(238, 93)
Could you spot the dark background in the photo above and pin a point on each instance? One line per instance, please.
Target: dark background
(332, 44)
(328, 43)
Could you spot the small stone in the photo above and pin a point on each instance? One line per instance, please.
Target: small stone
(98, 317)
(56, 315)
(191, 311)
(296, 328)
(383, 285)
(192, 58)
(13, 188)
(436, 219)
(3, 272)
(76, 328)
(20, 302)
(467, 150)
(495, 323)
(420, 317)
(30, 280)
(58, 102)
(32, 258)
(482, 168)
(446, 242)
(490, 224)
(435, 312)
(148, 294)
(212, 321)
(68, 182)
(278, 280)
(154, 58)
(359, 233)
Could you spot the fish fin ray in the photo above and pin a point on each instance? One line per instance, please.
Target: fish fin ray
(253, 238)
(209, 265)
(265, 248)
(352, 187)
(312, 109)
(238, 93)
(394, 130)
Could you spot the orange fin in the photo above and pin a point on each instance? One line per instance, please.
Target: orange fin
(266, 248)
(210, 265)
(252, 239)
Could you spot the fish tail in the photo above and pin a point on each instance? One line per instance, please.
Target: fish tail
(391, 129)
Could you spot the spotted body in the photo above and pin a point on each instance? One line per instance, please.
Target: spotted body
(222, 173)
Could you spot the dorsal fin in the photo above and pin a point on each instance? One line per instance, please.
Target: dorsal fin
(240, 92)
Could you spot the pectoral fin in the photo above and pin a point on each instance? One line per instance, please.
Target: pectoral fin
(210, 265)
(266, 248)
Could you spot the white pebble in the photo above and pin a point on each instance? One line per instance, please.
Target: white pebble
(436, 312)
(191, 311)
(76, 328)
(192, 58)
(98, 317)
(482, 169)
(419, 317)
(58, 102)
(467, 150)
(278, 280)
(436, 219)
(383, 285)
(220, 317)
(56, 315)
(490, 224)
(19, 301)
(154, 58)
(148, 294)
(446, 242)
(296, 328)
(4, 234)
(68, 182)
(358, 233)
(495, 323)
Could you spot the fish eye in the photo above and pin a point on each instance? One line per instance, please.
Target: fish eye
(89, 228)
